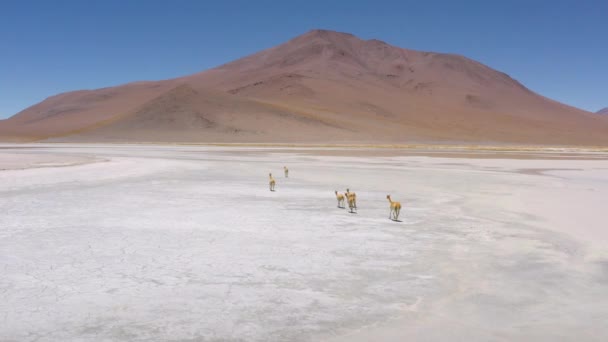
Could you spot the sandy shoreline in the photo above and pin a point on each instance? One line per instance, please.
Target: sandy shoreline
(353, 150)
(186, 242)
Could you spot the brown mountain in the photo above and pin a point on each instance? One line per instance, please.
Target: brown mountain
(324, 87)
(603, 111)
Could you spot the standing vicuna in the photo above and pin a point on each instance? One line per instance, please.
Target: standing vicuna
(286, 171)
(395, 209)
(272, 182)
(351, 199)
(340, 199)
(351, 196)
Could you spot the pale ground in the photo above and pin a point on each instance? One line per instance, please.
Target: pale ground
(25, 160)
(184, 243)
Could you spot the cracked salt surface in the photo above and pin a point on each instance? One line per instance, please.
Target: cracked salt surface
(176, 243)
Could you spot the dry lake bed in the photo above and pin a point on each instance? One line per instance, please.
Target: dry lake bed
(186, 243)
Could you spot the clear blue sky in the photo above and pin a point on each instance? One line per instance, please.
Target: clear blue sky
(557, 48)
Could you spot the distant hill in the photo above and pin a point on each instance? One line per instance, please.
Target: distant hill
(603, 111)
(320, 87)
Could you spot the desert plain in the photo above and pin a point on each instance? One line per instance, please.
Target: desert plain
(186, 243)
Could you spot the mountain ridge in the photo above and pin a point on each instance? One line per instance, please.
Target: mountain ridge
(368, 90)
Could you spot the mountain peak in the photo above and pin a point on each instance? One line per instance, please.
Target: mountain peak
(326, 34)
(322, 37)
(346, 56)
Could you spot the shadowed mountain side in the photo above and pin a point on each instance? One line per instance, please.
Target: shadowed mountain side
(322, 86)
(187, 114)
(72, 111)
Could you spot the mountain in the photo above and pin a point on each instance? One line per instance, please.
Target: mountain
(603, 111)
(322, 87)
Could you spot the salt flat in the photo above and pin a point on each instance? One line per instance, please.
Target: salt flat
(186, 243)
